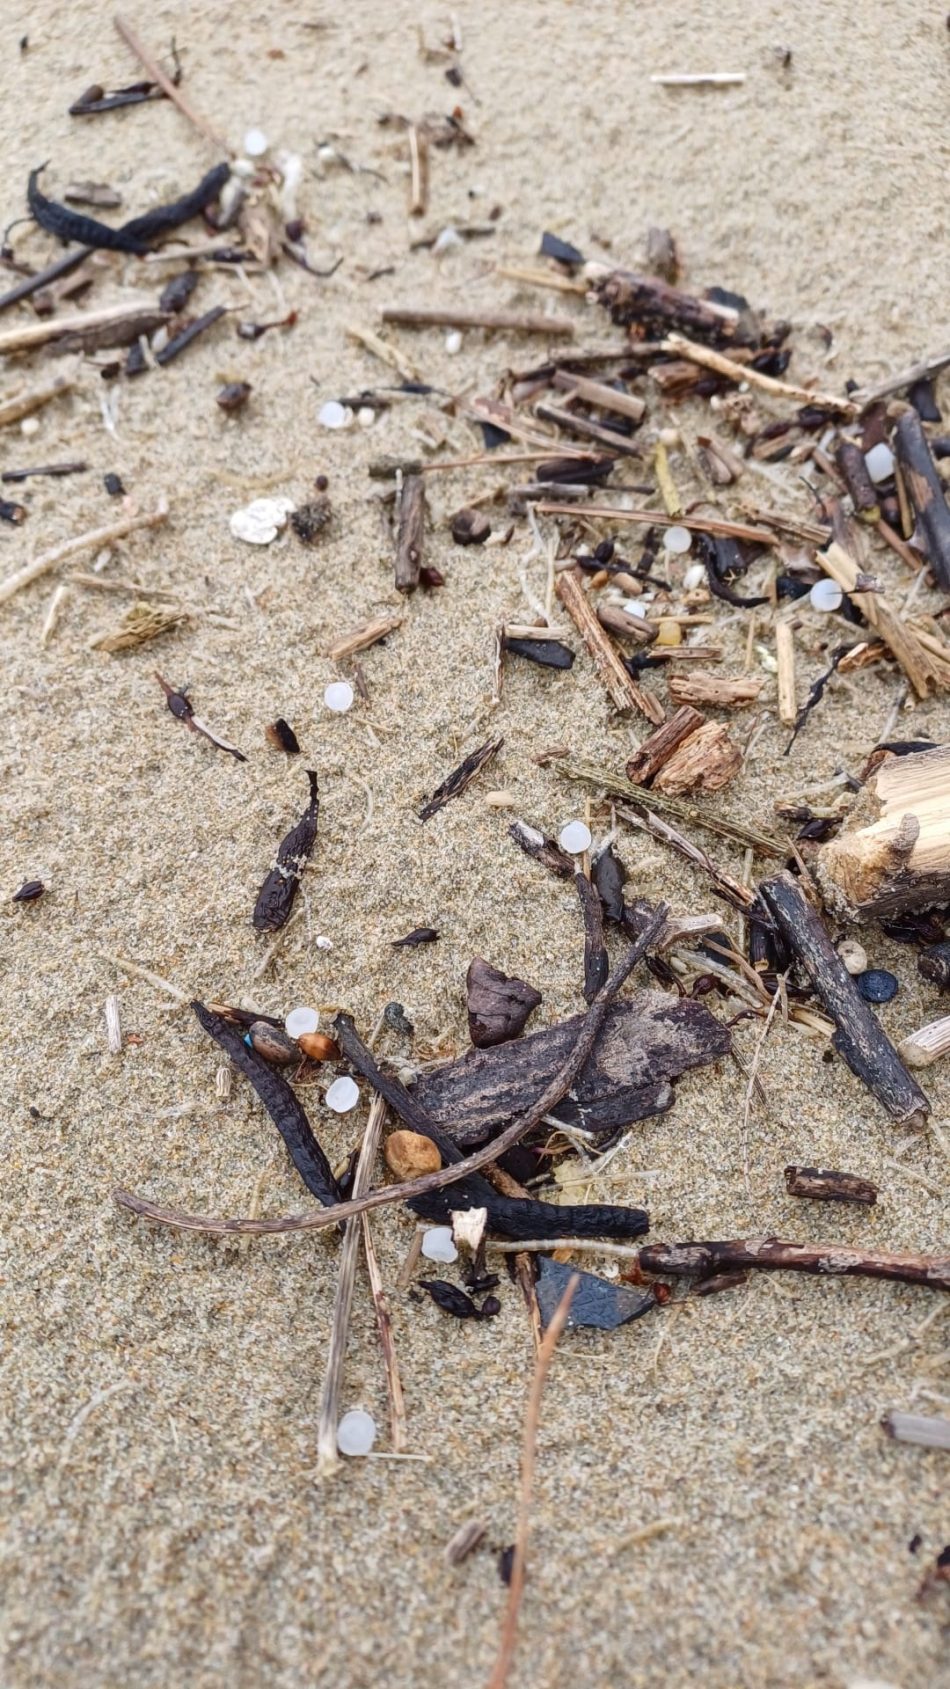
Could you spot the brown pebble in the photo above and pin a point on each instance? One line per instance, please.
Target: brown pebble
(470, 527)
(234, 395)
(318, 1047)
(408, 1154)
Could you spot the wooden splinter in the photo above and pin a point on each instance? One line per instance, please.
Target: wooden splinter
(926, 493)
(410, 533)
(624, 692)
(649, 757)
(898, 857)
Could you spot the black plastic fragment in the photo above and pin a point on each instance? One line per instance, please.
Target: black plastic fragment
(553, 247)
(548, 653)
(597, 1301)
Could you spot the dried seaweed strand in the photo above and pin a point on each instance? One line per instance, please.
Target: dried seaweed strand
(588, 773)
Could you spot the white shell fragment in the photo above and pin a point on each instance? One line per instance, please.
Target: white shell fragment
(636, 606)
(575, 838)
(879, 462)
(694, 577)
(677, 540)
(324, 943)
(356, 1432)
(853, 955)
(255, 143)
(262, 520)
(446, 239)
(826, 595)
(300, 1021)
(334, 415)
(342, 1095)
(438, 1245)
(339, 696)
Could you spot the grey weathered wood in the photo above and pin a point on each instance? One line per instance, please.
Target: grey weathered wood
(410, 533)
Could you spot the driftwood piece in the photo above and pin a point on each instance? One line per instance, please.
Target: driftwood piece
(646, 1041)
(544, 850)
(410, 533)
(831, 1260)
(925, 668)
(705, 762)
(734, 371)
(926, 493)
(367, 634)
(718, 692)
(596, 965)
(460, 778)
(623, 690)
(498, 1004)
(514, 322)
(652, 753)
(898, 857)
(927, 1044)
(859, 1037)
(598, 393)
(639, 629)
(655, 305)
(584, 428)
(823, 1184)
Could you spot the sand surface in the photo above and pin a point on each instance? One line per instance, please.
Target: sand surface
(162, 1522)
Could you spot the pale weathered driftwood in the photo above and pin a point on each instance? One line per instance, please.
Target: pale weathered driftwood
(898, 856)
(513, 322)
(410, 533)
(710, 359)
(598, 393)
(114, 325)
(924, 668)
(622, 688)
(81, 542)
(722, 692)
(368, 633)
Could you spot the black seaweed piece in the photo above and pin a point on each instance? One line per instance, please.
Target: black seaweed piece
(905, 747)
(553, 247)
(95, 99)
(610, 876)
(11, 511)
(597, 1302)
(596, 964)
(135, 363)
(452, 1300)
(275, 900)
(724, 561)
(455, 783)
(548, 653)
(419, 935)
(580, 471)
(177, 292)
(921, 396)
(113, 484)
(521, 1217)
(136, 236)
(282, 1104)
(815, 695)
(281, 734)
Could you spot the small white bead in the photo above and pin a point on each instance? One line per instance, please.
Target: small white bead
(453, 341)
(635, 607)
(677, 540)
(826, 595)
(694, 577)
(366, 416)
(255, 143)
(342, 1095)
(879, 462)
(356, 1432)
(30, 425)
(334, 415)
(324, 943)
(301, 1021)
(575, 838)
(439, 1245)
(338, 696)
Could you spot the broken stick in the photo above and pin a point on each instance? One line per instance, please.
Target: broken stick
(623, 690)
(926, 493)
(410, 533)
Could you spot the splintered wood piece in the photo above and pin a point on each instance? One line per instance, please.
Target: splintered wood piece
(859, 1037)
(832, 1260)
(410, 533)
(785, 658)
(926, 492)
(693, 814)
(24, 404)
(924, 669)
(898, 855)
(721, 692)
(112, 325)
(705, 762)
(636, 628)
(821, 1184)
(647, 1040)
(654, 304)
(514, 322)
(498, 1005)
(596, 965)
(542, 849)
(623, 690)
(659, 519)
(652, 753)
(368, 633)
(585, 429)
(456, 782)
(927, 1044)
(733, 371)
(598, 393)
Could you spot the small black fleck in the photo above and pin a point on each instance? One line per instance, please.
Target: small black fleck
(113, 485)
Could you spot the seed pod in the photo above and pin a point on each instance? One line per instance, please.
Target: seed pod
(316, 1046)
(470, 527)
(29, 891)
(275, 900)
(408, 1154)
(233, 395)
(273, 1044)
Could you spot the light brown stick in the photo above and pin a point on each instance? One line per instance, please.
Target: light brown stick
(922, 668)
(785, 657)
(25, 403)
(28, 335)
(369, 633)
(499, 1676)
(709, 359)
(155, 71)
(418, 172)
(81, 542)
(621, 686)
(659, 519)
(515, 322)
(598, 393)
(410, 533)
(904, 378)
(397, 1403)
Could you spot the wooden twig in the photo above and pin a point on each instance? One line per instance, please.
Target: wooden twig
(700, 79)
(418, 171)
(659, 519)
(512, 322)
(541, 278)
(833, 1260)
(719, 692)
(693, 814)
(146, 974)
(710, 359)
(824, 1184)
(26, 403)
(598, 393)
(923, 668)
(623, 690)
(859, 1037)
(499, 1676)
(81, 542)
(548, 1099)
(785, 659)
(328, 1457)
(867, 396)
(574, 423)
(398, 1432)
(652, 753)
(382, 350)
(150, 64)
(33, 284)
(410, 533)
(926, 492)
(129, 320)
(369, 633)
(927, 1044)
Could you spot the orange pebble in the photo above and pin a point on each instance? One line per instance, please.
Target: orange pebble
(408, 1154)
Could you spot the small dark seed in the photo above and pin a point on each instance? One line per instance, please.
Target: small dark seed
(273, 1043)
(234, 395)
(430, 577)
(470, 527)
(506, 1561)
(489, 1308)
(29, 891)
(113, 485)
(876, 985)
(321, 483)
(282, 736)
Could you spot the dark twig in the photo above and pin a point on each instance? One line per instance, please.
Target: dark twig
(832, 1260)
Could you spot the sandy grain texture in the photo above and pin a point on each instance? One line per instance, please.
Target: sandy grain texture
(162, 1523)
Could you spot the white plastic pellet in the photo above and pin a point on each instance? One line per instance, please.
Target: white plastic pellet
(453, 342)
(677, 540)
(356, 1432)
(366, 416)
(694, 577)
(343, 1095)
(255, 143)
(438, 1244)
(339, 696)
(334, 415)
(879, 462)
(574, 838)
(324, 943)
(30, 426)
(826, 595)
(300, 1021)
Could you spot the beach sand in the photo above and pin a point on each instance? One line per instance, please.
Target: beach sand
(163, 1524)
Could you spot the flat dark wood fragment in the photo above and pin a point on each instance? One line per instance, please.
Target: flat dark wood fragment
(177, 291)
(859, 1037)
(646, 1041)
(282, 736)
(547, 653)
(822, 1184)
(659, 746)
(718, 1282)
(275, 900)
(410, 533)
(655, 305)
(598, 1302)
(542, 849)
(596, 965)
(926, 492)
(498, 1004)
(455, 783)
(552, 246)
(135, 364)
